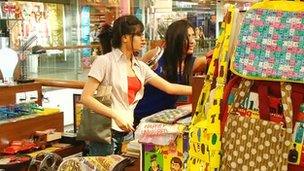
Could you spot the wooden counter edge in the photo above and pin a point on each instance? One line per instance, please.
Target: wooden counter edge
(61, 83)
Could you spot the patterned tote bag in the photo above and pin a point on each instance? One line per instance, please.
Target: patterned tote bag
(254, 144)
(204, 134)
(271, 42)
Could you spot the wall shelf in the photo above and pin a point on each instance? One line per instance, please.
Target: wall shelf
(24, 129)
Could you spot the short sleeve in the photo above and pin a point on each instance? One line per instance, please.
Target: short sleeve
(149, 73)
(98, 68)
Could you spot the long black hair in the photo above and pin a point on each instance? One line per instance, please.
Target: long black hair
(177, 43)
(127, 24)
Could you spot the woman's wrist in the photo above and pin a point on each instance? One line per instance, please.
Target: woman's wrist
(114, 115)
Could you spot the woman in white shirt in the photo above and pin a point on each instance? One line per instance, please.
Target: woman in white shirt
(127, 76)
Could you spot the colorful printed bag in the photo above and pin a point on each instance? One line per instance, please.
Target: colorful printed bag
(204, 134)
(270, 108)
(250, 143)
(268, 93)
(271, 47)
(271, 42)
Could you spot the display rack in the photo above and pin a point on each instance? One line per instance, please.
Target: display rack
(21, 128)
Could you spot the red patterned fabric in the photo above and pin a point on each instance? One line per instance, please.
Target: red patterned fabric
(265, 89)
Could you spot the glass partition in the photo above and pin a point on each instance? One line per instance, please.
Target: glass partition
(68, 31)
(56, 64)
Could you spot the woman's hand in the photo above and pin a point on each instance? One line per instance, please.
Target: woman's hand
(122, 124)
(152, 64)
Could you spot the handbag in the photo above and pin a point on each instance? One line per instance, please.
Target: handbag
(265, 92)
(93, 126)
(250, 143)
(271, 48)
(271, 42)
(204, 133)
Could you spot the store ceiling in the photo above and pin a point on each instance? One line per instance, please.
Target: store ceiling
(212, 3)
(50, 1)
(207, 3)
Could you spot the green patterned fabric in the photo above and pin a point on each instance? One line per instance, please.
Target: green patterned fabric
(271, 46)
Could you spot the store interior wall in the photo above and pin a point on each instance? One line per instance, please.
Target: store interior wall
(63, 99)
(65, 64)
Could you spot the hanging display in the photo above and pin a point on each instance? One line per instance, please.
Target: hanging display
(270, 48)
(271, 42)
(204, 134)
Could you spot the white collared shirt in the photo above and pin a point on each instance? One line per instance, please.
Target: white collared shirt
(111, 70)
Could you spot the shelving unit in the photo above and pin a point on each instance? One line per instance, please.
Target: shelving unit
(23, 129)
(100, 13)
(97, 19)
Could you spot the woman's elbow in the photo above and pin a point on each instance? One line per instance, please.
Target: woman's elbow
(175, 89)
(170, 89)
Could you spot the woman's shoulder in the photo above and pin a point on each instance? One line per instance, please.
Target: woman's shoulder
(142, 64)
(104, 57)
(149, 55)
(152, 54)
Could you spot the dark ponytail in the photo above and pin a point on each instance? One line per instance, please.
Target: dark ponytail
(127, 24)
(111, 36)
(105, 38)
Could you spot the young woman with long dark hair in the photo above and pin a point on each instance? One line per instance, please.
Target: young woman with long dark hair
(176, 64)
(127, 77)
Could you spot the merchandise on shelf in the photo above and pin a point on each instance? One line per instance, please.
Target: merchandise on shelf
(14, 111)
(164, 142)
